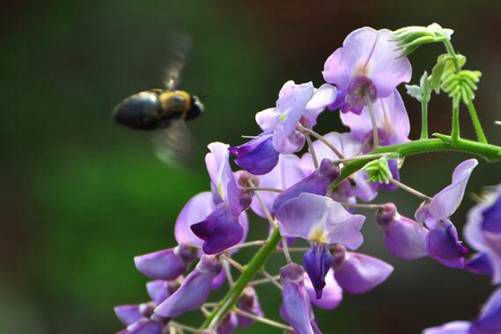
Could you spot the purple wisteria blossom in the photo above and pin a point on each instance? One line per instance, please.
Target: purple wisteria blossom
(323, 222)
(296, 308)
(368, 66)
(403, 237)
(315, 183)
(285, 174)
(358, 184)
(358, 273)
(391, 120)
(165, 264)
(483, 232)
(226, 225)
(488, 322)
(442, 242)
(296, 104)
(194, 289)
(332, 293)
(249, 303)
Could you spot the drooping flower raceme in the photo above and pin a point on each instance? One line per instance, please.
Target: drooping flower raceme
(314, 195)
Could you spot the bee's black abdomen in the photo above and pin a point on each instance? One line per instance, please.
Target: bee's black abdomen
(140, 111)
(196, 108)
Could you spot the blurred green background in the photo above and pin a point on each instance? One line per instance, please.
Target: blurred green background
(81, 196)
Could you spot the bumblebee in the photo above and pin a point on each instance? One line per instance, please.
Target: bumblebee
(157, 109)
(164, 111)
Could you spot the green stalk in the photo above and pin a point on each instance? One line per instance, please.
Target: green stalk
(455, 126)
(488, 152)
(476, 123)
(424, 119)
(255, 265)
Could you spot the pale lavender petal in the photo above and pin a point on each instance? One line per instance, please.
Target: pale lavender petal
(403, 237)
(455, 327)
(164, 264)
(257, 156)
(332, 294)
(319, 218)
(128, 314)
(322, 97)
(286, 173)
(194, 290)
(295, 307)
(285, 142)
(391, 120)
(195, 210)
(489, 320)
(316, 183)
(358, 273)
(219, 280)
(291, 104)
(446, 202)
(267, 119)
(370, 53)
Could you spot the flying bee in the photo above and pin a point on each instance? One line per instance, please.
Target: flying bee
(164, 111)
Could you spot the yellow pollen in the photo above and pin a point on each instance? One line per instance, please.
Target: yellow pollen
(318, 235)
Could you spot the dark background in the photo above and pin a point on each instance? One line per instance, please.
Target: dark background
(80, 196)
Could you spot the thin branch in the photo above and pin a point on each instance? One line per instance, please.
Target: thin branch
(362, 205)
(227, 271)
(276, 190)
(263, 320)
(311, 149)
(263, 281)
(375, 135)
(410, 190)
(272, 279)
(246, 245)
(318, 136)
(234, 263)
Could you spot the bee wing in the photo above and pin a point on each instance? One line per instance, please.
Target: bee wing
(175, 145)
(180, 46)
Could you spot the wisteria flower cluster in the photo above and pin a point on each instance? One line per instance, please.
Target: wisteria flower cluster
(311, 190)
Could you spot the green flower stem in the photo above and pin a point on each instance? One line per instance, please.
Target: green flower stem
(424, 119)
(455, 126)
(255, 265)
(490, 153)
(440, 144)
(450, 50)
(476, 123)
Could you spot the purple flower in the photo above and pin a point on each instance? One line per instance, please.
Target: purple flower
(323, 222)
(391, 120)
(165, 264)
(128, 314)
(316, 183)
(295, 102)
(358, 273)
(483, 231)
(257, 156)
(446, 202)
(488, 322)
(194, 290)
(479, 263)
(249, 303)
(403, 237)
(286, 173)
(332, 294)
(368, 66)
(145, 326)
(228, 325)
(442, 242)
(358, 184)
(296, 308)
(226, 224)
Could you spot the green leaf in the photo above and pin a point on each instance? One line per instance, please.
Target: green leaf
(422, 93)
